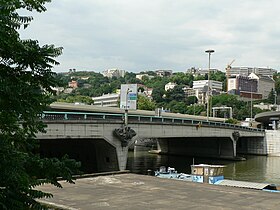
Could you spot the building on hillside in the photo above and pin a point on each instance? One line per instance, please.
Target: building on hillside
(73, 84)
(107, 100)
(266, 84)
(199, 94)
(242, 83)
(148, 92)
(265, 71)
(140, 76)
(68, 90)
(200, 88)
(58, 90)
(169, 86)
(164, 73)
(245, 71)
(214, 85)
(198, 71)
(113, 73)
(144, 90)
(245, 87)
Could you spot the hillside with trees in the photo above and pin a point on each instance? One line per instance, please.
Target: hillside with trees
(174, 99)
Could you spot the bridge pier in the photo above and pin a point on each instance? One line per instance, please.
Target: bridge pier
(122, 157)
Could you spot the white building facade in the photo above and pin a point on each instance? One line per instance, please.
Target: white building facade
(245, 71)
(107, 100)
(214, 85)
(169, 86)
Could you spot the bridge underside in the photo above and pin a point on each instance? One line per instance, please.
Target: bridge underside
(198, 147)
(253, 146)
(95, 155)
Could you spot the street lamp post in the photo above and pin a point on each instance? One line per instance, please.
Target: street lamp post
(251, 100)
(251, 105)
(126, 107)
(208, 89)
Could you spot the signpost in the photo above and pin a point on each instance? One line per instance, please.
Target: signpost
(128, 99)
(128, 96)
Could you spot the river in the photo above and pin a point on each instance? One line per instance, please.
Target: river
(255, 168)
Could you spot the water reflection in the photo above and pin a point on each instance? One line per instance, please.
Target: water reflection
(255, 168)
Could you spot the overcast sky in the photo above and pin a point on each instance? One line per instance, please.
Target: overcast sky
(137, 35)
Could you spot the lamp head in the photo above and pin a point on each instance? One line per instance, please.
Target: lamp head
(210, 51)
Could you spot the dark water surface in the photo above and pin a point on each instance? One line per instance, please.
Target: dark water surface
(254, 169)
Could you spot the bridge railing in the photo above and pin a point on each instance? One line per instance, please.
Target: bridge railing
(58, 116)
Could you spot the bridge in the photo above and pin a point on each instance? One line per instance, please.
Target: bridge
(100, 140)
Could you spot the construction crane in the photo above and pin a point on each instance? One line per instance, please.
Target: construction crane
(228, 71)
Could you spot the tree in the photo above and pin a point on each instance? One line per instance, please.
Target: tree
(177, 107)
(271, 97)
(157, 94)
(77, 99)
(191, 100)
(177, 94)
(26, 78)
(144, 103)
(181, 78)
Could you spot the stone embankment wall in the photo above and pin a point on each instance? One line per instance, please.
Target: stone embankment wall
(273, 142)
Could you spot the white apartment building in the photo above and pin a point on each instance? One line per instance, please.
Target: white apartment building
(199, 71)
(245, 71)
(214, 85)
(107, 100)
(169, 85)
(113, 73)
(140, 76)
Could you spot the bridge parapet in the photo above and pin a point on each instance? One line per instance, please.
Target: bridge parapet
(119, 118)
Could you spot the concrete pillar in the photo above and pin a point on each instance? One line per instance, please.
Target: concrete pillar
(234, 138)
(162, 146)
(234, 142)
(122, 157)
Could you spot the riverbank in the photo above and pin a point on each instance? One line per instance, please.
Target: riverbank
(132, 191)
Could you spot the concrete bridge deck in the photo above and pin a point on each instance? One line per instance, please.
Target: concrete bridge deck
(131, 191)
(93, 136)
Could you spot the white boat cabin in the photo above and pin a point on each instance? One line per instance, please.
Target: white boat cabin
(205, 173)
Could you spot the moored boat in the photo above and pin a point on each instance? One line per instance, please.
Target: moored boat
(212, 174)
(171, 173)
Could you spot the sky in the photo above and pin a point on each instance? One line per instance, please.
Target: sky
(143, 35)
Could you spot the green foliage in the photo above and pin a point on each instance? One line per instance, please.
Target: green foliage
(271, 97)
(144, 103)
(176, 94)
(182, 78)
(157, 94)
(77, 99)
(191, 100)
(177, 107)
(26, 78)
(225, 100)
(232, 121)
(196, 109)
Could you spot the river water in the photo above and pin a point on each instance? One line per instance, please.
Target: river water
(255, 168)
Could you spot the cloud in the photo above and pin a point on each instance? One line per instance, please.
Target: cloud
(137, 35)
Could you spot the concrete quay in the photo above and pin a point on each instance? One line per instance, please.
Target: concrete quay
(132, 191)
